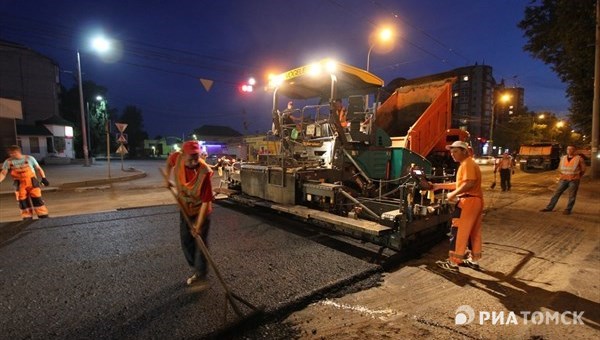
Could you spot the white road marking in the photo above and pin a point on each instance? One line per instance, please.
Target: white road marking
(359, 309)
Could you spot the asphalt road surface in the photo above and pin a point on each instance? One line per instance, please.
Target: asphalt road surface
(121, 274)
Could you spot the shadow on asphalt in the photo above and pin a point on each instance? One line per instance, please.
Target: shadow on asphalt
(516, 295)
(13, 231)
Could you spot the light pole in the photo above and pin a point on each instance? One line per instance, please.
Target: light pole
(383, 36)
(101, 45)
(86, 161)
(505, 98)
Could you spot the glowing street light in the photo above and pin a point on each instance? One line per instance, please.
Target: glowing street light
(542, 116)
(101, 44)
(383, 36)
(560, 124)
(504, 98)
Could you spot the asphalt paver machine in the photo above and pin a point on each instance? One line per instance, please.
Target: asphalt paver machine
(344, 177)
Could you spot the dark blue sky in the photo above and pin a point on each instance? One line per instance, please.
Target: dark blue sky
(168, 45)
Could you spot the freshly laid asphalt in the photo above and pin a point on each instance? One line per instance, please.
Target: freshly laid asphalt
(121, 274)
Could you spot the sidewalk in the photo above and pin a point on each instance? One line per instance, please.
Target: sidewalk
(65, 177)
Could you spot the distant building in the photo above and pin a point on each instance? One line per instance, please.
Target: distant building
(29, 115)
(31, 78)
(10, 112)
(218, 139)
(162, 147)
(472, 97)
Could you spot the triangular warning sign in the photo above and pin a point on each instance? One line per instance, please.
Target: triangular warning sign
(207, 83)
(122, 149)
(122, 139)
(121, 127)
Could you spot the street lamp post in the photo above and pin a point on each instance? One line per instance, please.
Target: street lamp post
(101, 45)
(384, 35)
(505, 98)
(86, 161)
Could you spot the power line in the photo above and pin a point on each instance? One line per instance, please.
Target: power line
(372, 23)
(422, 31)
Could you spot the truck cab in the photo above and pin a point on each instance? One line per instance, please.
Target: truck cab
(539, 156)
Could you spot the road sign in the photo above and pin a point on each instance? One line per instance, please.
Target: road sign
(121, 127)
(122, 149)
(122, 139)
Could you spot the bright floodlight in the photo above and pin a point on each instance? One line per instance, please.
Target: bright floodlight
(101, 44)
(99, 98)
(252, 81)
(542, 116)
(505, 98)
(560, 124)
(330, 66)
(314, 69)
(275, 80)
(385, 34)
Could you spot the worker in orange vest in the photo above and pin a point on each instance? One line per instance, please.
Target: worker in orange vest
(341, 112)
(23, 170)
(572, 168)
(466, 224)
(506, 167)
(193, 184)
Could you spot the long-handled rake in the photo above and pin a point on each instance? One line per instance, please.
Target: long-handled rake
(494, 183)
(232, 298)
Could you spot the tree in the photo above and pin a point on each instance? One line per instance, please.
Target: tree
(561, 34)
(95, 114)
(132, 116)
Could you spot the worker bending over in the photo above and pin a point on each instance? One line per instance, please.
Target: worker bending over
(23, 170)
(193, 184)
(466, 224)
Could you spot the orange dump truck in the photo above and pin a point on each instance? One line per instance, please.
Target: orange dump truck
(419, 117)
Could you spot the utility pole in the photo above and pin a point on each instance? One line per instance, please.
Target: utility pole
(595, 169)
(82, 109)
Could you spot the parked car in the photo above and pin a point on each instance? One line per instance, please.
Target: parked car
(485, 160)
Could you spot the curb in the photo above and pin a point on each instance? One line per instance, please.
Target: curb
(96, 182)
(89, 183)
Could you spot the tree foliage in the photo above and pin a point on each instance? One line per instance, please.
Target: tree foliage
(561, 34)
(133, 117)
(96, 114)
(533, 127)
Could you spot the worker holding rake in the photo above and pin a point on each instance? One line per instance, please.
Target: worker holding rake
(192, 183)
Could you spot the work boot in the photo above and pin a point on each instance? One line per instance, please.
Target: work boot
(447, 265)
(546, 210)
(196, 278)
(471, 264)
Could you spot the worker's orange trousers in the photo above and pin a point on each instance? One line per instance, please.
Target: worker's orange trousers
(466, 229)
(29, 196)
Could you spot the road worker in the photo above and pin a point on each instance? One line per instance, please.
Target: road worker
(466, 224)
(22, 169)
(192, 177)
(572, 168)
(341, 112)
(506, 167)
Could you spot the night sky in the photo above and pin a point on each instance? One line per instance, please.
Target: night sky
(168, 45)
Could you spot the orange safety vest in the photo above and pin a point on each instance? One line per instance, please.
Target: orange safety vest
(189, 191)
(569, 170)
(23, 173)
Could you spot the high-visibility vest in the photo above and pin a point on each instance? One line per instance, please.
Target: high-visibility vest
(189, 191)
(21, 173)
(570, 169)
